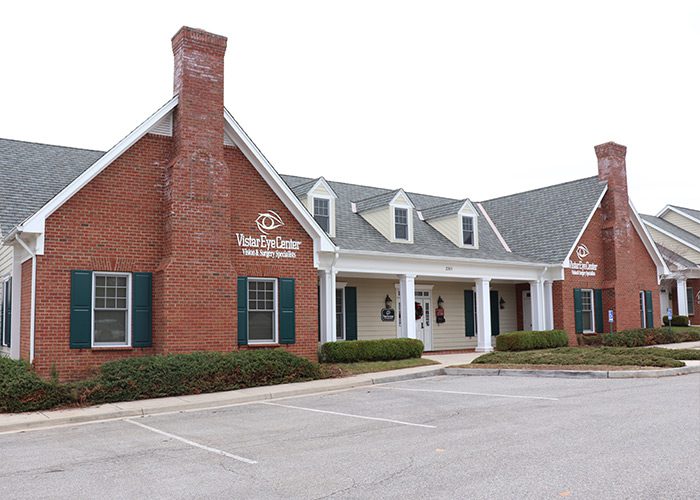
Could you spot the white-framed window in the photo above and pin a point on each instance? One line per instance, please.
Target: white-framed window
(587, 311)
(643, 308)
(401, 223)
(5, 310)
(340, 313)
(468, 230)
(322, 213)
(111, 309)
(262, 311)
(691, 301)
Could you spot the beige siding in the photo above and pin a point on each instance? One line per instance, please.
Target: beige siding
(448, 335)
(674, 246)
(5, 260)
(449, 227)
(320, 191)
(380, 219)
(682, 222)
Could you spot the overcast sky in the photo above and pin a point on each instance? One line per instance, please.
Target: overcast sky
(444, 98)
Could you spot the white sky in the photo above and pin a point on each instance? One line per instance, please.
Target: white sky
(457, 99)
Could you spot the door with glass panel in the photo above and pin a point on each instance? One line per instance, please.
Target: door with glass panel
(424, 331)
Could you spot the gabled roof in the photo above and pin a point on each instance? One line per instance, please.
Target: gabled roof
(695, 214)
(545, 223)
(675, 232)
(307, 187)
(447, 209)
(354, 233)
(378, 200)
(676, 262)
(31, 174)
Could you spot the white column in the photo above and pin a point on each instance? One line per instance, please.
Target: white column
(548, 306)
(327, 305)
(537, 305)
(682, 296)
(407, 288)
(17, 255)
(483, 316)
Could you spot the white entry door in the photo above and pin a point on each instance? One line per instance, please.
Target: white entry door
(424, 325)
(527, 311)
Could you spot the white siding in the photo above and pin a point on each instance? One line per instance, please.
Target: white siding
(674, 246)
(682, 222)
(380, 220)
(5, 260)
(321, 190)
(448, 335)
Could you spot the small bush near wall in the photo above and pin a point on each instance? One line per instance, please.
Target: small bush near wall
(23, 390)
(626, 338)
(648, 336)
(526, 341)
(677, 321)
(594, 339)
(352, 351)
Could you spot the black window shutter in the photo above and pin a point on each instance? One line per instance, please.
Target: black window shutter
(8, 313)
(648, 299)
(598, 304)
(578, 310)
(350, 313)
(141, 296)
(286, 305)
(242, 311)
(495, 313)
(469, 329)
(81, 310)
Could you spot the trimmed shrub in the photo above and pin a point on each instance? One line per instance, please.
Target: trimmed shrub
(178, 374)
(23, 390)
(625, 338)
(677, 321)
(595, 339)
(526, 341)
(352, 351)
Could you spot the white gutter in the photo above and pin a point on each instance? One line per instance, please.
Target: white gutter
(32, 316)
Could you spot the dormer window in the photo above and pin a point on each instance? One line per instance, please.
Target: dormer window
(401, 223)
(467, 230)
(322, 213)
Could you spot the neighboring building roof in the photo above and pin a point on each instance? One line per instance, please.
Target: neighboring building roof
(672, 229)
(689, 211)
(375, 201)
(355, 233)
(450, 208)
(302, 189)
(677, 262)
(545, 223)
(31, 174)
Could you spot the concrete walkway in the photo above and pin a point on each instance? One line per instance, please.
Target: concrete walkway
(681, 345)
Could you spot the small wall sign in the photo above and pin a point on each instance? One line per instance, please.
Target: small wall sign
(388, 314)
(611, 316)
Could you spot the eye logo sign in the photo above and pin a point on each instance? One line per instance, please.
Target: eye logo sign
(267, 221)
(582, 251)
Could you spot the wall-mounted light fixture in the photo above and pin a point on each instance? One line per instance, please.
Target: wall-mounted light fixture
(502, 303)
(387, 302)
(440, 301)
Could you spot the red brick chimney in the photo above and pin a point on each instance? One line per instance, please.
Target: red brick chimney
(196, 280)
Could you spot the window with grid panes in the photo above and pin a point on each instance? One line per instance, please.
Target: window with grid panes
(262, 307)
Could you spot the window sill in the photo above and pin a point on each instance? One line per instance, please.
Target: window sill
(113, 348)
(262, 346)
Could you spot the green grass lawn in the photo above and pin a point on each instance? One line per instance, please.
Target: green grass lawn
(331, 370)
(599, 356)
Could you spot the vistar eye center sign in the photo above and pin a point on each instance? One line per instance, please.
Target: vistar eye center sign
(582, 268)
(264, 245)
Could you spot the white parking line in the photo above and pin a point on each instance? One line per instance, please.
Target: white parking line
(465, 393)
(192, 443)
(349, 415)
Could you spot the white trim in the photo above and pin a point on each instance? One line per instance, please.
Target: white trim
(275, 312)
(94, 344)
(672, 236)
(679, 212)
(409, 223)
(322, 182)
(475, 232)
(583, 229)
(495, 229)
(408, 198)
(592, 330)
(35, 223)
(331, 210)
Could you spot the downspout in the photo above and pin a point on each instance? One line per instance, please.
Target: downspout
(32, 315)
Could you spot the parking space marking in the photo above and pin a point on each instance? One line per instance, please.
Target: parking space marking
(465, 393)
(192, 443)
(400, 422)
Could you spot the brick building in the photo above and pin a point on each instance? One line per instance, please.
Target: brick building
(183, 237)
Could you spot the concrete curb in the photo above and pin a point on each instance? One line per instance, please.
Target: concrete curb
(112, 411)
(511, 372)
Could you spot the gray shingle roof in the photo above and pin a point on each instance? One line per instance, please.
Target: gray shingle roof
(355, 233)
(302, 189)
(31, 174)
(443, 210)
(544, 223)
(674, 261)
(375, 201)
(690, 211)
(672, 229)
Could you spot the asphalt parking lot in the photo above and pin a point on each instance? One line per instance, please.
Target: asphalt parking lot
(442, 437)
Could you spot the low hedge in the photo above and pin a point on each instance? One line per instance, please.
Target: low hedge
(23, 390)
(352, 351)
(644, 337)
(677, 321)
(527, 341)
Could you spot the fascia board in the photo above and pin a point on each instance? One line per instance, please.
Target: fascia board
(565, 263)
(399, 193)
(322, 182)
(275, 181)
(35, 223)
